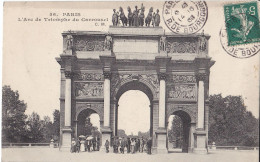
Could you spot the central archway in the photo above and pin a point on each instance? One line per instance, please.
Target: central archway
(139, 86)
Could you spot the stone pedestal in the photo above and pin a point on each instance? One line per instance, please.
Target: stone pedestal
(66, 139)
(200, 136)
(161, 140)
(106, 135)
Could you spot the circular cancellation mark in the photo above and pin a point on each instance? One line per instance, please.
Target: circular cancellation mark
(185, 17)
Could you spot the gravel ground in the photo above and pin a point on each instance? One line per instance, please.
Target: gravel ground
(53, 154)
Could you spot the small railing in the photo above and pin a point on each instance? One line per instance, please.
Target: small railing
(212, 147)
(6, 145)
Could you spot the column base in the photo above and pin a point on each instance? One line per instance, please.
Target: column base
(66, 139)
(190, 150)
(106, 135)
(200, 136)
(161, 141)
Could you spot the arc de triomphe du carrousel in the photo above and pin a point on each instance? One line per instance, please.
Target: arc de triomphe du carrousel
(172, 70)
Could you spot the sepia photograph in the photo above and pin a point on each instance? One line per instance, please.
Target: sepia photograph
(130, 81)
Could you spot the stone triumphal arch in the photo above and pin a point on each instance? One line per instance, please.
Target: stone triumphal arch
(98, 67)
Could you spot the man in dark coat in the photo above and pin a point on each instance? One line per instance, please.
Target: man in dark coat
(149, 146)
(107, 146)
(128, 145)
(122, 145)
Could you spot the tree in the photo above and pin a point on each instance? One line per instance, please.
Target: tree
(176, 132)
(35, 128)
(56, 125)
(121, 133)
(47, 129)
(230, 123)
(13, 117)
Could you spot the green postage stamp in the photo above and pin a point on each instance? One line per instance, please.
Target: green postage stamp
(242, 23)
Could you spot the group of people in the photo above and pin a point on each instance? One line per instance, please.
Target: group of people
(132, 145)
(85, 145)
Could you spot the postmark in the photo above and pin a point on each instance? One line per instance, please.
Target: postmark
(242, 23)
(238, 51)
(185, 17)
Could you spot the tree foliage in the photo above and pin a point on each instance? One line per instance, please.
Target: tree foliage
(230, 123)
(175, 133)
(13, 116)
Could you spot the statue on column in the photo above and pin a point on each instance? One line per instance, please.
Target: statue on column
(202, 42)
(115, 18)
(141, 16)
(157, 18)
(122, 16)
(135, 17)
(130, 16)
(149, 17)
(69, 41)
(163, 43)
(108, 42)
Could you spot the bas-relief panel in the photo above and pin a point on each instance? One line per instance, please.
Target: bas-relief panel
(89, 43)
(89, 89)
(182, 46)
(181, 87)
(89, 76)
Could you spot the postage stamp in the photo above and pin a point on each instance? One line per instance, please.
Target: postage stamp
(242, 23)
(238, 51)
(185, 17)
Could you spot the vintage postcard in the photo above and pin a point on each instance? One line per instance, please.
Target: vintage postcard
(130, 81)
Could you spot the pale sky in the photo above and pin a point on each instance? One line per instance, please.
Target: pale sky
(30, 48)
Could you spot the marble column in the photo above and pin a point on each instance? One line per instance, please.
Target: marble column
(201, 101)
(162, 100)
(68, 100)
(107, 100)
(161, 132)
(66, 131)
(200, 134)
(106, 130)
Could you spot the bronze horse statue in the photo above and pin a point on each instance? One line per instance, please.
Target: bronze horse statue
(130, 16)
(122, 17)
(149, 17)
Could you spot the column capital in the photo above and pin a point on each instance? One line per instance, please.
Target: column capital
(107, 74)
(201, 76)
(68, 74)
(162, 76)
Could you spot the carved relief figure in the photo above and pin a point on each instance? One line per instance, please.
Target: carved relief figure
(163, 43)
(115, 18)
(149, 17)
(108, 42)
(130, 16)
(157, 18)
(141, 16)
(202, 42)
(122, 17)
(185, 91)
(69, 42)
(89, 90)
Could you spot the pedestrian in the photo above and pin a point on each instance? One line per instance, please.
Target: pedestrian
(128, 145)
(117, 144)
(149, 146)
(132, 145)
(122, 146)
(78, 145)
(94, 143)
(88, 145)
(142, 144)
(98, 143)
(138, 144)
(107, 146)
(73, 146)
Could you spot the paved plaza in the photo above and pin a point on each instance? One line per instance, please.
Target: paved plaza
(53, 155)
